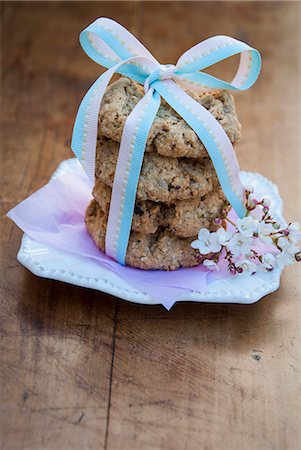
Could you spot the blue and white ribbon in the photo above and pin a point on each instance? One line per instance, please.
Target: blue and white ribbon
(113, 47)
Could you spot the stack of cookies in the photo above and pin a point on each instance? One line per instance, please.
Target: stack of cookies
(178, 191)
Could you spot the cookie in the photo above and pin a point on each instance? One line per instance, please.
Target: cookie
(170, 135)
(162, 179)
(147, 215)
(151, 251)
(183, 218)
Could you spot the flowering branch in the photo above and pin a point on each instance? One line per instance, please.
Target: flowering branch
(237, 247)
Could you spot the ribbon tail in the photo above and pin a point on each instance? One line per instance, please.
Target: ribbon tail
(128, 168)
(214, 138)
(84, 135)
(85, 129)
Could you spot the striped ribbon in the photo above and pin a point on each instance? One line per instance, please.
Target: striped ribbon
(112, 46)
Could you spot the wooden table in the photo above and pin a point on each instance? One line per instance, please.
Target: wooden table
(83, 370)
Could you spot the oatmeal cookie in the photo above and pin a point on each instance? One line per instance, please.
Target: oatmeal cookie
(162, 179)
(146, 218)
(170, 135)
(184, 218)
(151, 251)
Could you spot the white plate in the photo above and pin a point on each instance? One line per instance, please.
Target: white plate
(48, 262)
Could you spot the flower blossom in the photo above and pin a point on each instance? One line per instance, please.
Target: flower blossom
(245, 267)
(223, 236)
(268, 261)
(207, 242)
(264, 231)
(288, 252)
(247, 226)
(210, 264)
(294, 231)
(239, 244)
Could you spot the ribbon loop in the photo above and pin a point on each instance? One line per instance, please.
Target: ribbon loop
(115, 48)
(215, 50)
(108, 43)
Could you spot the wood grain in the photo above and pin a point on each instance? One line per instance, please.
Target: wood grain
(83, 370)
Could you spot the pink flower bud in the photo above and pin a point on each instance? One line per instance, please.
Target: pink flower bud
(232, 270)
(239, 269)
(285, 232)
(218, 221)
(265, 209)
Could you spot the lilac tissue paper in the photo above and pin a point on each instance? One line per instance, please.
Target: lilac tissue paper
(55, 216)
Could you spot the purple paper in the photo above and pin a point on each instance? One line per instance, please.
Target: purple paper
(55, 216)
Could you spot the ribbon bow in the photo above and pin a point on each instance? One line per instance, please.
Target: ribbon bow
(112, 46)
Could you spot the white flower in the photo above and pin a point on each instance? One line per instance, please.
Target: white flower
(268, 260)
(264, 231)
(288, 252)
(239, 244)
(286, 245)
(246, 267)
(285, 259)
(247, 226)
(207, 242)
(294, 232)
(211, 265)
(223, 236)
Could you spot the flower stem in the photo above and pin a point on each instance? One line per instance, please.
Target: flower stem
(230, 221)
